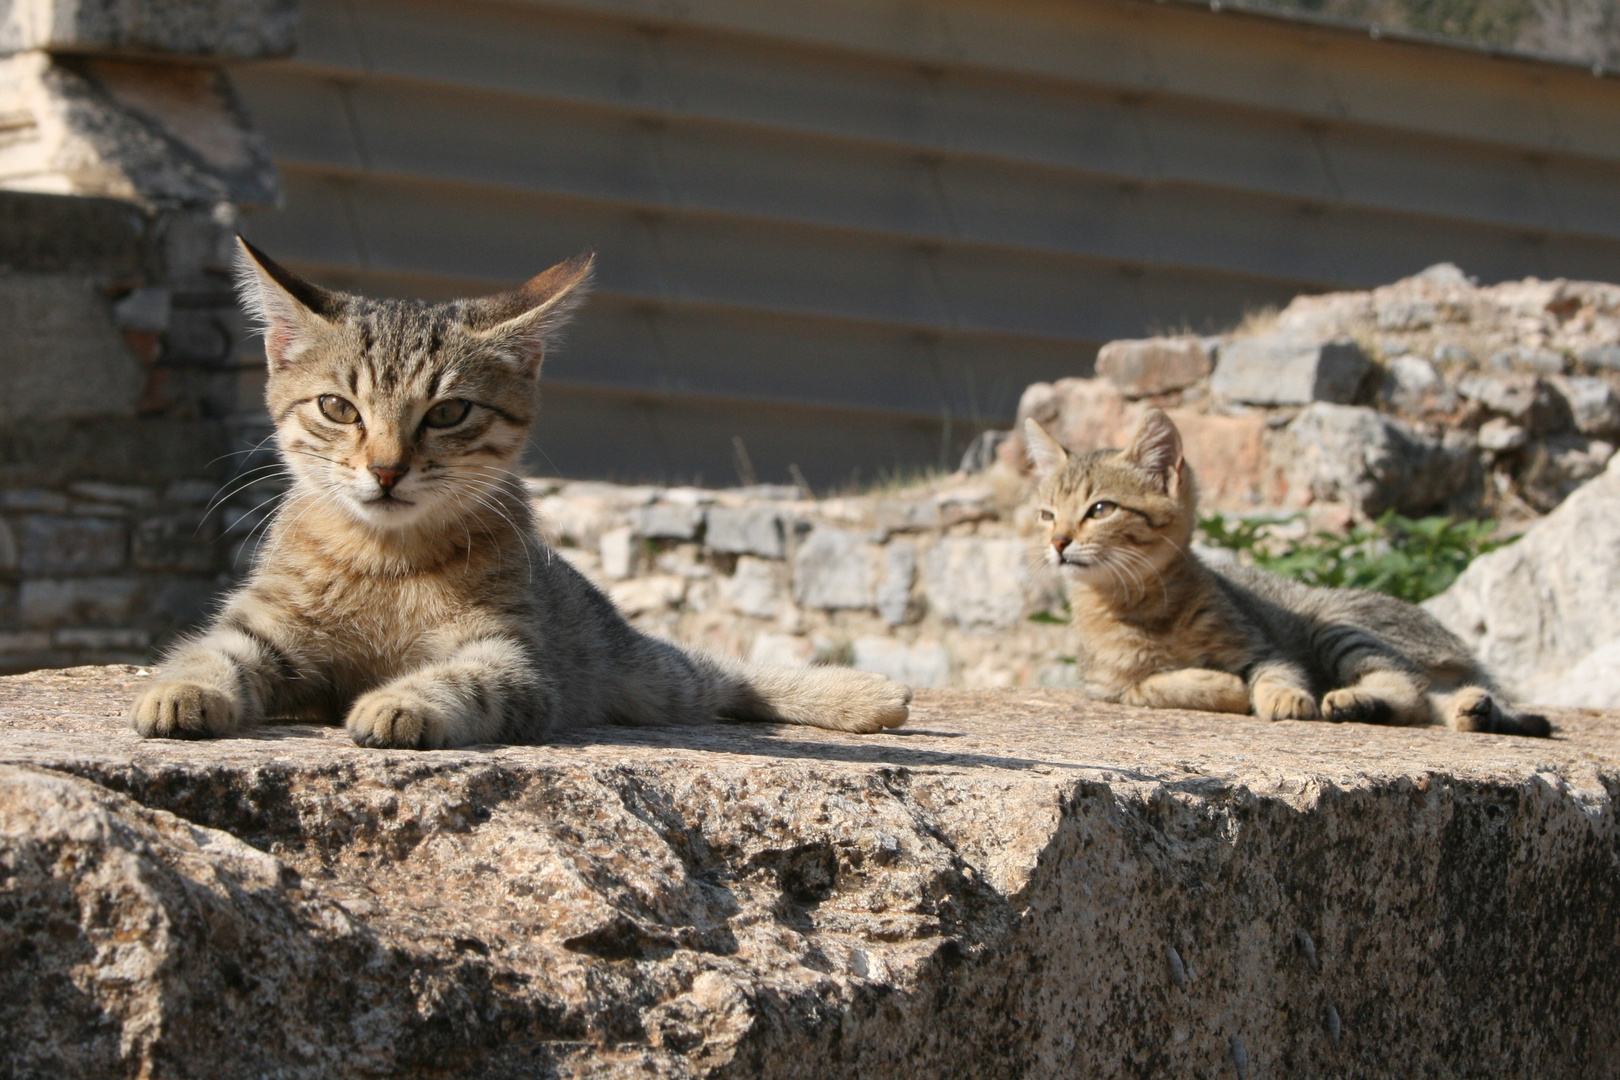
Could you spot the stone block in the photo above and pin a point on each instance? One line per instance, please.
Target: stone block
(64, 358)
(1354, 455)
(72, 545)
(894, 587)
(657, 592)
(1153, 365)
(1414, 386)
(159, 134)
(754, 588)
(667, 521)
(182, 541)
(745, 530)
(619, 549)
(1280, 369)
(781, 650)
(1556, 466)
(978, 583)
(49, 602)
(1524, 399)
(222, 29)
(923, 664)
(833, 569)
(1500, 435)
(1593, 406)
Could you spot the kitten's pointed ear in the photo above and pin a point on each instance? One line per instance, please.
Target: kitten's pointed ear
(1156, 446)
(1045, 453)
(287, 309)
(525, 322)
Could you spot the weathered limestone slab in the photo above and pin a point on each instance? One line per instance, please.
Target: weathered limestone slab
(1153, 365)
(1019, 884)
(223, 29)
(1281, 369)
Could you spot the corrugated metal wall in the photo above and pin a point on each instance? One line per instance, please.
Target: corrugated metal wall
(851, 231)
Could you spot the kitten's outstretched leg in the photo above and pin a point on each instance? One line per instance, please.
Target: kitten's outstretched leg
(212, 686)
(1190, 688)
(467, 698)
(1473, 708)
(1281, 691)
(1383, 696)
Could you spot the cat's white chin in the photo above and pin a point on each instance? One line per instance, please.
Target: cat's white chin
(387, 513)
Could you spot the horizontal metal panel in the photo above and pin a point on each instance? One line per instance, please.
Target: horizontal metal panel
(1269, 64)
(953, 112)
(584, 431)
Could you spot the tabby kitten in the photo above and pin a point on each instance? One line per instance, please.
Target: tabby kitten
(402, 584)
(1160, 628)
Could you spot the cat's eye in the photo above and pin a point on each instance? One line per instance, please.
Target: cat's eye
(337, 410)
(447, 413)
(1046, 515)
(1101, 509)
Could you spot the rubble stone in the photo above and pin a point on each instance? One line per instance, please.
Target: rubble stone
(894, 589)
(1593, 404)
(224, 29)
(667, 521)
(753, 588)
(746, 530)
(833, 569)
(1282, 369)
(1153, 366)
(923, 664)
(1355, 455)
(1534, 609)
(978, 583)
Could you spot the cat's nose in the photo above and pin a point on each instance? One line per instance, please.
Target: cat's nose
(1059, 542)
(388, 475)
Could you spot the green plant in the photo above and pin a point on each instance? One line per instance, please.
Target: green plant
(1413, 559)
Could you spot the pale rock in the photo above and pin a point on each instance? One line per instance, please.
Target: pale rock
(1592, 402)
(835, 568)
(894, 588)
(687, 560)
(1524, 399)
(579, 513)
(746, 530)
(1414, 386)
(1354, 455)
(754, 588)
(1536, 608)
(906, 515)
(1593, 683)
(921, 664)
(1407, 315)
(978, 583)
(1499, 435)
(667, 520)
(656, 592)
(781, 650)
(619, 549)
(1152, 366)
(1602, 356)
(1556, 466)
(1281, 369)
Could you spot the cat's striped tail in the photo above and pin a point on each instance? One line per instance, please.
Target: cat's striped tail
(839, 698)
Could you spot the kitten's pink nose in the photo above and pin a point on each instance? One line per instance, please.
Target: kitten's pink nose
(1059, 542)
(388, 475)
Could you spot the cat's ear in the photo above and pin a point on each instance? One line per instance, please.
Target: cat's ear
(1156, 447)
(1045, 453)
(289, 311)
(525, 322)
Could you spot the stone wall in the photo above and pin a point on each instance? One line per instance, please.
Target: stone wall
(125, 389)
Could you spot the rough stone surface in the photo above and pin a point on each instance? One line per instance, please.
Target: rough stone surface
(834, 569)
(1153, 365)
(745, 530)
(978, 583)
(61, 358)
(1017, 885)
(226, 29)
(1281, 369)
(1538, 607)
(1355, 455)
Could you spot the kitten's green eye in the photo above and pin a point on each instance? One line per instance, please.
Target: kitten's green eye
(447, 413)
(1045, 515)
(1101, 509)
(337, 410)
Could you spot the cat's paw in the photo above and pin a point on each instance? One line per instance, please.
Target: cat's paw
(1283, 702)
(1350, 705)
(871, 703)
(400, 719)
(178, 709)
(1474, 709)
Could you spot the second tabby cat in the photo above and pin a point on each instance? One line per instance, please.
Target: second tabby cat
(402, 587)
(1160, 628)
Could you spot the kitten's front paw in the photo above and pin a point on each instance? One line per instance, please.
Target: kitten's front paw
(1349, 705)
(869, 702)
(176, 709)
(1283, 703)
(398, 719)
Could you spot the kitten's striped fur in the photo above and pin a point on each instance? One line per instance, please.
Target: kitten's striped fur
(402, 586)
(1161, 629)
